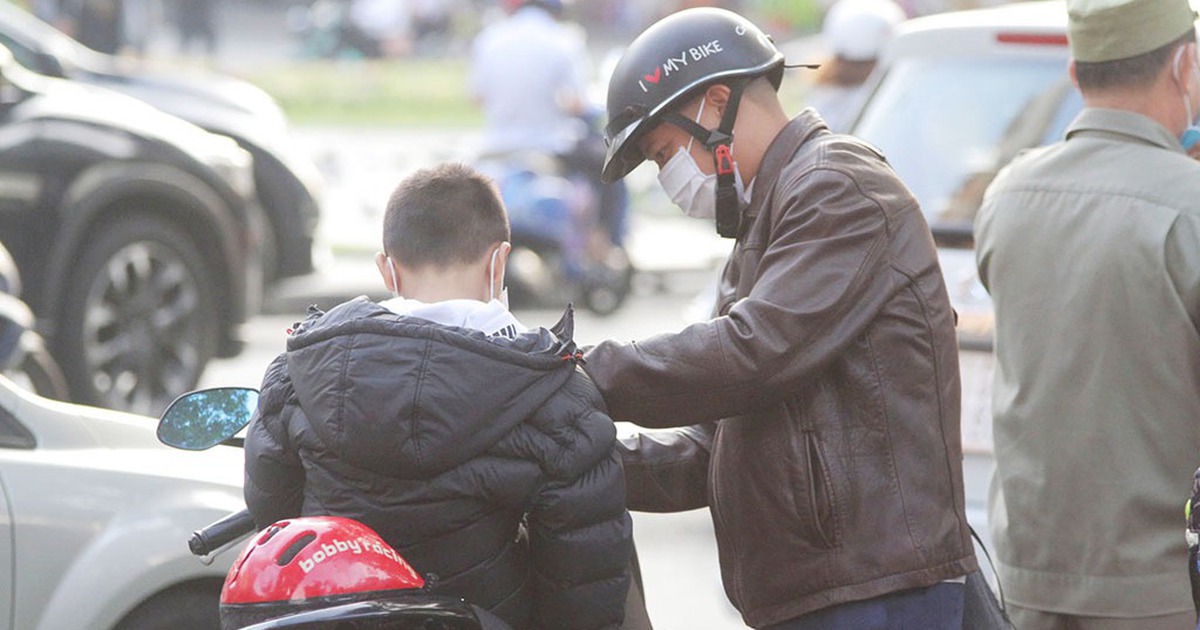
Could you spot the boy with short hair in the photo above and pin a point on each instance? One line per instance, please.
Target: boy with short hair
(472, 445)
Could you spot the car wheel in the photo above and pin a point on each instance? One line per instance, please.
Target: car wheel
(536, 278)
(609, 283)
(140, 318)
(184, 606)
(37, 370)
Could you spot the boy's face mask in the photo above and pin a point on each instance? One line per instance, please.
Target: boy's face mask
(395, 279)
(494, 293)
(492, 290)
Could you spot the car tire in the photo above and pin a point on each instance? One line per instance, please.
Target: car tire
(184, 606)
(536, 278)
(139, 316)
(38, 371)
(609, 283)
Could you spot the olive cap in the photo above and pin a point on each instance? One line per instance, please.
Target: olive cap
(1107, 30)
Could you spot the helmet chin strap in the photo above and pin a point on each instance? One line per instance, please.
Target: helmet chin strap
(718, 141)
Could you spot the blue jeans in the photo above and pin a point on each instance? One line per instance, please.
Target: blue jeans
(938, 607)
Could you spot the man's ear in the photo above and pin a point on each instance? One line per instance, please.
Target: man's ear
(718, 95)
(386, 273)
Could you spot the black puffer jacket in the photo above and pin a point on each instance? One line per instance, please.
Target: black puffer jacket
(488, 462)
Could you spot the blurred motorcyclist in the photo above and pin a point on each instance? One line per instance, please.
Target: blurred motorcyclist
(529, 73)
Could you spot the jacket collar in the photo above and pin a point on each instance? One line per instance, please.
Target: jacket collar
(806, 124)
(1130, 126)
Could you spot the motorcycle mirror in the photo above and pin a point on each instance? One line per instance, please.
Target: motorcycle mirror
(204, 418)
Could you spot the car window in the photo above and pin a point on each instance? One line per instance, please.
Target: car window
(13, 434)
(948, 124)
(23, 54)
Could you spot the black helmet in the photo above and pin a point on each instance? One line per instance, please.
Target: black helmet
(674, 58)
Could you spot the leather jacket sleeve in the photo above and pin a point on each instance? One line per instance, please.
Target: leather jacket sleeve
(666, 470)
(822, 276)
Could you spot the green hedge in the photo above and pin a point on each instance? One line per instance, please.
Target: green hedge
(422, 92)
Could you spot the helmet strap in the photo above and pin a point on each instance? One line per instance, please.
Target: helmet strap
(729, 211)
(719, 142)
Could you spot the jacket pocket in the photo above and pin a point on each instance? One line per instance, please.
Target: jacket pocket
(820, 491)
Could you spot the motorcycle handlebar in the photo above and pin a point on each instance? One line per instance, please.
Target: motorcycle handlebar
(221, 533)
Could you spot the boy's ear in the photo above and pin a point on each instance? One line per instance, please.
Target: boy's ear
(385, 272)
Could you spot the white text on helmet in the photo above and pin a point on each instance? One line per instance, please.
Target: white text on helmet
(673, 64)
(357, 546)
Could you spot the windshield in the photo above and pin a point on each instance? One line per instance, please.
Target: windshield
(947, 125)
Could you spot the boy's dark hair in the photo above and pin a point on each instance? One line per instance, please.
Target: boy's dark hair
(442, 215)
(1132, 72)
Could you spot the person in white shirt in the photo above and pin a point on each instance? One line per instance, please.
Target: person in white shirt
(529, 73)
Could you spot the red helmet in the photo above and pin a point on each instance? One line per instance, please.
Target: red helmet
(311, 562)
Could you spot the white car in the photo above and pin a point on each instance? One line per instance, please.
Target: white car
(956, 96)
(95, 517)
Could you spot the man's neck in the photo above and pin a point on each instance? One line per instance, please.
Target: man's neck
(1162, 104)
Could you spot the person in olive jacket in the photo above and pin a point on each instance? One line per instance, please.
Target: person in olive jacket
(1096, 393)
(822, 399)
(475, 447)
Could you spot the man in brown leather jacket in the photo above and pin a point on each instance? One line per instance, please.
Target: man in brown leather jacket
(819, 408)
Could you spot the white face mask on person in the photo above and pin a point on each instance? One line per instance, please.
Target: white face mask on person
(503, 296)
(500, 295)
(690, 188)
(1191, 135)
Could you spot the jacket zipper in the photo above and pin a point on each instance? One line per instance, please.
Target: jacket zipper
(818, 485)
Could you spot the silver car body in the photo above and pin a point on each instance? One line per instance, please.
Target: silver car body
(95, 513)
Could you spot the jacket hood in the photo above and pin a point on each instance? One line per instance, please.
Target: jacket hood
(410, 398)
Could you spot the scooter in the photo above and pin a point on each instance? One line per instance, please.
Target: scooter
(561, 250)
(23, 354)
(308, 572)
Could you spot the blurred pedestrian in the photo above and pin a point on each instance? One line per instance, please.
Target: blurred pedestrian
(196, 22)
(98, 24)
(53, 12)
(1090, 249)
(817, 412)
(140, 23)
(855, 32)
(381, 28)
(432, 22)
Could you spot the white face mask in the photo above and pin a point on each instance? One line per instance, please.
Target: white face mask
(395, 280)
(491, 274)
(1191, 135)
(690, 188)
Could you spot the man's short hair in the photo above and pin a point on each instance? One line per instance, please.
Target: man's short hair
(443, 215)
(1132, 72)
